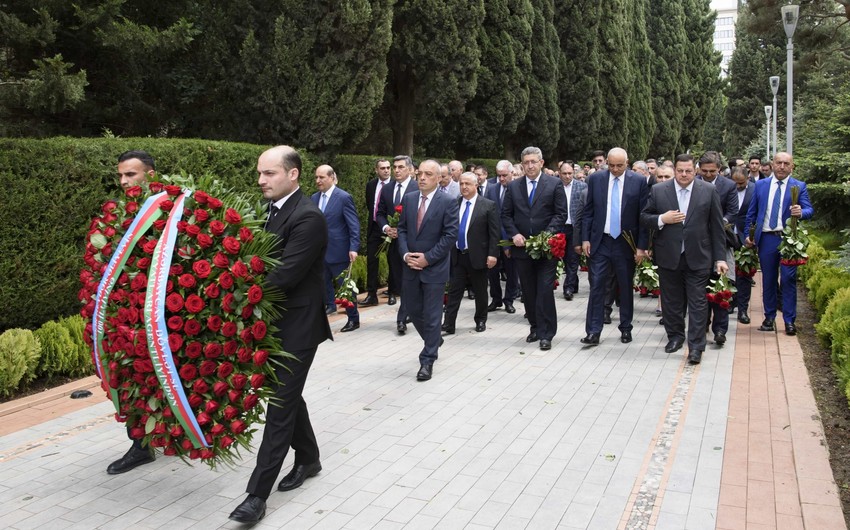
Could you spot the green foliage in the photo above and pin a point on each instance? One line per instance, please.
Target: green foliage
(834, 331)
(832, 202)
(358, 271)
(824, 283)
(615, 74)
(19, 354)
(80, 360)
(818, 257)
(667, 18)
(641, 119)
(56, 349)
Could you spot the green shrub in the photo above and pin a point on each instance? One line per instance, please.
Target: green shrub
(57, 348)
(834, 332)
(818, 257)
(823, 284)
(358, 271)
(19, 354)
(80, 361)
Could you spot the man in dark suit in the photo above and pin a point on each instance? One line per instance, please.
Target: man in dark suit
(754, 166)
(301, 328)
(688, 243)
(744, 189)
(474, 252)
(505, 264)
(575, 192)
(709, 171)
(391, 196)
(427, 231)
(374, 236)
(534, 204)
(770, 210)
(615, 198)
(343, 238)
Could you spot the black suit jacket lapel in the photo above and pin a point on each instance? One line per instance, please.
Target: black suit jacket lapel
(288, 207)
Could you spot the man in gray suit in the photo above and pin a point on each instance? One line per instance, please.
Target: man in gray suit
(427, 231)
(689, 242)
(576, 193)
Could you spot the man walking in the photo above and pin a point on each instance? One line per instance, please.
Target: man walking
(505, 265)
(575, 192)
(374, 236)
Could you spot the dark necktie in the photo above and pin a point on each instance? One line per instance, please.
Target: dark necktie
(397, 199)
(533, 189)
(774, 209)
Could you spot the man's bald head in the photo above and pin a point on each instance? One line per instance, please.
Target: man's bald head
(617, 161)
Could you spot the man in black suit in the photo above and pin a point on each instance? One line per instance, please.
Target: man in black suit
(688, 244)
(615, 198)
(534, 204)
(474, 252)
(744, 189)
(427, 231)
(391, 196)
(754, 166)
(301, 328)
(709, 169)
(374, 236)
(575, 192)
(505, 264)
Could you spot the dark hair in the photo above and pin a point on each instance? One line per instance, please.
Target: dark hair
(709, 157)
(754, 157)
(407, 160)
(482, 168)
(738, 169)
(598, 153)
(684, 157)
(651, 160)
(143, 156)
(291, 160)
(378, 161)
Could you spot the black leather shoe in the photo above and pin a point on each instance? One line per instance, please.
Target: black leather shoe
(695, 356)
(493, 307)
(131, 460)
(606, 319)
(720, 338)
(568, 295)
(673, 345)
(545, 344)
(401, 327)
(509, 308)
(424, 372)
(391, 300)
(532, 337)
(350, 326)
(480, 326)
(767, 325)
(369, 301)
(626, 337)
(743, 317)
(448, 330)
(591, 338)
(385, 292)
(470, 295)
(790, 329)
(251, 510)
(299, 473)
(330, 310)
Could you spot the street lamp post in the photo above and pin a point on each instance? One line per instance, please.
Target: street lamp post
(767, 110)
(790, 15)
(774, 87)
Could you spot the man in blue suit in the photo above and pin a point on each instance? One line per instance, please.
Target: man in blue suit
(770, 210)
(343, 238)
(576, 192)
(744, 189)
(534, 204)
(615, 199)
(505, 264)
(427, 231)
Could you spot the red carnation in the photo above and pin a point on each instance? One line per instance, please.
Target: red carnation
(192, 327)
(196, 400)
(212, 291)
(188, 371)
(212, 350)
(214, 203)
(193, 230)
(172, 190)
(228, 329)
(194, 350)
(175, 341)
(204, 241)
(259, 330)
(221, 260)
(194, 303)
(260, 357)
(231, 245)
(239, 269)
(202, 268)
(187, 281)
(250, 401)
(175, 323)
(230, 412)
(225, 369)
(237, 427)
(133, 191)
(214, 323)
(200, 215)
(232, 217)
(257, 265)
(246, 235)
(200, 386)
(217, 227)
(255, 294)
(257, 380)
(239, 381)
(226, 280)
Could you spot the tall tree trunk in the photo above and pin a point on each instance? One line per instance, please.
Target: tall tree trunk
(405, 109)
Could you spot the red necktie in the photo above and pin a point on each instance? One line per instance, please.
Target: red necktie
(421, 213)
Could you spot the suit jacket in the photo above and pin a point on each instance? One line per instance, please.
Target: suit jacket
(371, 187)
(435, 238)
(758, 204)
(702, 231)
(482, 234)
(741, 220)
(634, 192)
(453, 189)
(548, 211)
(303, 237)
(578, 196)
(387, 205)
(494, 194)
(343, 225)
(728, 193)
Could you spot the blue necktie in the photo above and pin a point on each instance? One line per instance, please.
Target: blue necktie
(533, 189)
(324, 202)
(774, 210)
(461, 234)
(615, 209)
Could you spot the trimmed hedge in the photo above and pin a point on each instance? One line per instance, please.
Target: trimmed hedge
(824, 283)
(19, 354)
(64, 352)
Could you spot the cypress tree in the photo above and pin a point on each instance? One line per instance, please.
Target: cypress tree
(541, 124)
(615, 76)
(667, 39)
(641, 118)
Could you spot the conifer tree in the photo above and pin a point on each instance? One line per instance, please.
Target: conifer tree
(701, 81)
(668, 39)
(641, 118)
(615, 75)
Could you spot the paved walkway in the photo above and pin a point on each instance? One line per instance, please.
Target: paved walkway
(505, 436)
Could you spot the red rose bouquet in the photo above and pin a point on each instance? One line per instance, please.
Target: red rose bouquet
(180, 317)
(545, 245)
(795, 239)
(392, 221)
(346, 293)
(720, 291)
